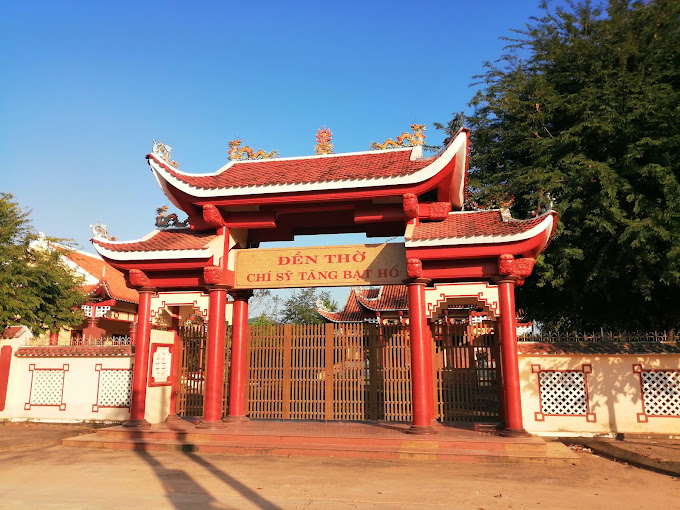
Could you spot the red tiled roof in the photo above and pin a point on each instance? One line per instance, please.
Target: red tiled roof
(13, 332)
(388, 298)
(75, 350)
(600, 347)
(110, 277)
(473, 224)
(334, 167)
(163, 240)
(351, 313)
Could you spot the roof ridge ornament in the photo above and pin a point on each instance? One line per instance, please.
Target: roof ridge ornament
(323, 141)
(404, 140)
(170, 220)
(100, 231)
(162, 150)
(237, 153)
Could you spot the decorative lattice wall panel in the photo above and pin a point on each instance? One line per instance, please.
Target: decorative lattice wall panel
(114, 388)
(563, 393)
(47, 387)
(660, 390)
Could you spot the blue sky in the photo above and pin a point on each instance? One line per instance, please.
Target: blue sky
(85, 86)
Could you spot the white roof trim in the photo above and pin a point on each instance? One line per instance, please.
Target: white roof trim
(153, 255)
(150, 255)
(543, 226)
(419, 176)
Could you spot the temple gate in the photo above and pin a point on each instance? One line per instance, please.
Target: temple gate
(449, 254)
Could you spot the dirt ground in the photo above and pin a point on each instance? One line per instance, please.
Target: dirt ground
(53, 476)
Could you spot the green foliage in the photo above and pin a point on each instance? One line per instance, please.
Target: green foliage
(36, 288)
(585, 108)
(300, 307)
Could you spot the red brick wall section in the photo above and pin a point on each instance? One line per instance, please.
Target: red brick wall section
(5, 360)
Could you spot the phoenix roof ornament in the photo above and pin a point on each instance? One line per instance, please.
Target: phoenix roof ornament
(162, 150)
(100, 231)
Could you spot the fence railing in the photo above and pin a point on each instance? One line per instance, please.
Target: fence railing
(598, 336)
(44, 341)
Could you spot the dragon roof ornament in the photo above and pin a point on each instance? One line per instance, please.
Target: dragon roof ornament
(162, 150)
(404, 140)
(323, 141)
(237, 153)
(170, 220)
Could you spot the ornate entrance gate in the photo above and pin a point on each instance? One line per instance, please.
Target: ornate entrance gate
(363, 372)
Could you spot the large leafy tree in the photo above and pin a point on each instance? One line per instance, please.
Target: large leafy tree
(36, 288)
(300, 307)
(584, 109)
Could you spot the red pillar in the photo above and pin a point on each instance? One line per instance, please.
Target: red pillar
(54, 337)
(214, 362)
(133, 333)
(174, 327)
(239, 363)
(141, 369)
(509, 360)
(422, 380)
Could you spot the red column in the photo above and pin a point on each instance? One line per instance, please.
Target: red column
(54, 337)
(214, 362)
(133, 333)
(239, 363)
(174, 327)
(422, 380)
(509, 360)
(141, 369)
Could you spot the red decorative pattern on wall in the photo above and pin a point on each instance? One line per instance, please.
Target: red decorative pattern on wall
(659, 393)
(47, 387)
(563, 393)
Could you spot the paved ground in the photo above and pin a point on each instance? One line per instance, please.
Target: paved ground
(51, 476)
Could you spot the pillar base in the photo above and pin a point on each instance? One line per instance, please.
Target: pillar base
(236, 419)
(421, 430)
(210, 425)
(172, 417)
(136, 424)
(513, 433)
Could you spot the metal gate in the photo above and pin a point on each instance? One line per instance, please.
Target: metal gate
(467, 375)
(192, 371)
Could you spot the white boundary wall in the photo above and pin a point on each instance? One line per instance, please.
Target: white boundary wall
(77, 388)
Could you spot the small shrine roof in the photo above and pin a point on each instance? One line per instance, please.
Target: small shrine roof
(110, 278)
(472, 227)
(351, 313)
(388, 298)
(159, 244)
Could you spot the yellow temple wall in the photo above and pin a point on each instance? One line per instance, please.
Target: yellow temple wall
(616, 401)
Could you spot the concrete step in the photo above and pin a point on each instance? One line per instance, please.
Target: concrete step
(418, 450)
(473, 441)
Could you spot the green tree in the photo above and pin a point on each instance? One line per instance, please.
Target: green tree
(300, 307)
(584, 108)
(36, 288)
